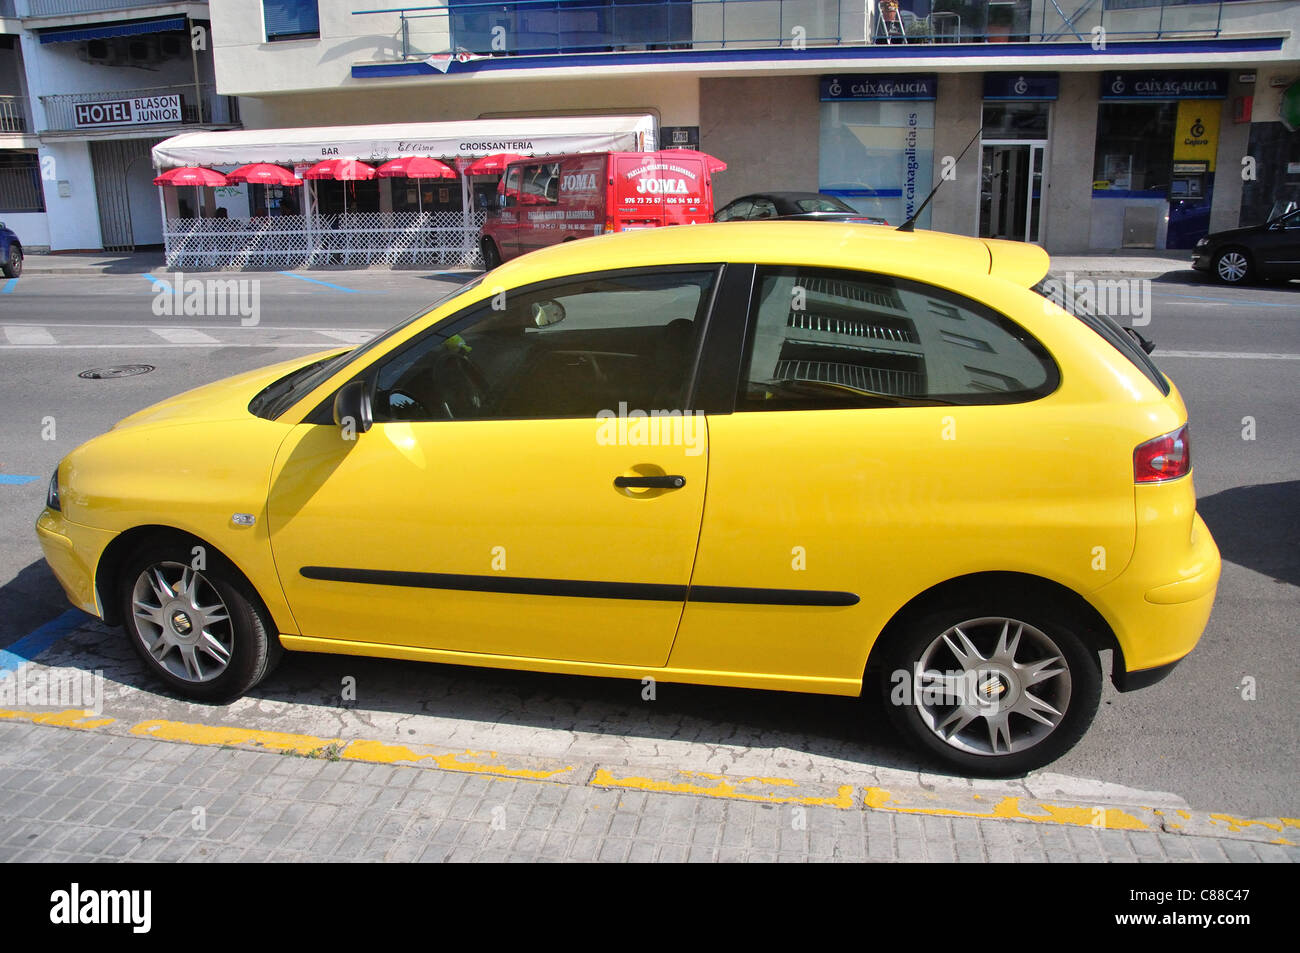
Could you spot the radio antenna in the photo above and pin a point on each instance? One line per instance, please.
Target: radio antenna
(910, 224)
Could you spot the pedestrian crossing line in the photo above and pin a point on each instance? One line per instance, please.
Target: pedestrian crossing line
(184, 336)
(349, 337)
(21, 335)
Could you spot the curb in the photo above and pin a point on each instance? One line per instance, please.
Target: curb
(989, 801)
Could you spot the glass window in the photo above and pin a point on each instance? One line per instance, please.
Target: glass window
(736, 211)
(763, 208)
(878, 157)
(291, 19)
(569, 350)
(822, 204)
(540, 184)
(20, 182)
(1135, 146)
(1015, 120)
(836, 339)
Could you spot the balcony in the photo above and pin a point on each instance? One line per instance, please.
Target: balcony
(207, 108)
(13, 115)
(64, 8)
(535, 27)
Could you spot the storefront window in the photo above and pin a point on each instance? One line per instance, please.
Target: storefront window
(878, 156)
(1011, 120)
(1135, 146)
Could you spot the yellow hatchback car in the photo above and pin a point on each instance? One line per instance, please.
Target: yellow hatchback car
(800, 456)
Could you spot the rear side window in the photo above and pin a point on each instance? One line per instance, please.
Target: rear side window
(822, 339)
(1115, 335)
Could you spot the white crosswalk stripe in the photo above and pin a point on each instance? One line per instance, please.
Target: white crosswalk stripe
(29, 336)
(184, 336)
(349, 337)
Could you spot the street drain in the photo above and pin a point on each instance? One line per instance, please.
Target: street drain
(119, 370)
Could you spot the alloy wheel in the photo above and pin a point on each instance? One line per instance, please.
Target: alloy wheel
(1232, 267)
(182, 621)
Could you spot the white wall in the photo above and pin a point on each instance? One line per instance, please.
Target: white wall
(32, 228)
(74, 220)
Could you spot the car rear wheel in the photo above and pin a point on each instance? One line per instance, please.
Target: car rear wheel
(491, 256)
(13, 265)
(202, 631)
(991, 690)
(1232, 266)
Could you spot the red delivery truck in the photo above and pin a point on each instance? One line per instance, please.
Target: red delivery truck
(553, 199)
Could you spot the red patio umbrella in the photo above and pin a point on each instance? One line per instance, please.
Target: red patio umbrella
(493, 164)
(416, 167)
(263, 173)
(713, 162)
(342, 170)
(191, 175)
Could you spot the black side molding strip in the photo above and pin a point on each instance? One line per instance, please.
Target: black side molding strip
(579, 588)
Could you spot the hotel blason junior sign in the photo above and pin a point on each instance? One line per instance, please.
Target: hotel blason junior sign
(138, 111)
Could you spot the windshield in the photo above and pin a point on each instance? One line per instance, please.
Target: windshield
(823, 203)
(284, 393)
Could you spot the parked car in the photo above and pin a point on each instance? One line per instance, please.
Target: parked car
(11, 252)
(1241, 255)
(562, 198)
(923, 479)
(813, 206)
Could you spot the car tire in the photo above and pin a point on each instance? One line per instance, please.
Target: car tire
(988, 723)
(13, 263)
(204, 632)
(491, 256)
(1232, 266)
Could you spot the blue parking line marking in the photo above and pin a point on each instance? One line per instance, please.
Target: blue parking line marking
(15, 479)
(1253, 304)
(38, 640)
(9, 286)
(154, 281)
(317, 281)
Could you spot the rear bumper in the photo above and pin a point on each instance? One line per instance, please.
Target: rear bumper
(1159, 607)
(73, 552)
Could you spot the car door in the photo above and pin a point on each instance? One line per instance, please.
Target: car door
(516, 496)
(1277, 247)
(507, 225)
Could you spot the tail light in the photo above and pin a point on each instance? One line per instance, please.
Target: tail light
(1163, 458)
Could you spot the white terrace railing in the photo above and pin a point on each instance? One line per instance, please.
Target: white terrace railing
(372, 239)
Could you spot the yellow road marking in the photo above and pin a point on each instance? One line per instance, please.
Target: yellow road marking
(71, 718)
(879, 799)
(726, 789)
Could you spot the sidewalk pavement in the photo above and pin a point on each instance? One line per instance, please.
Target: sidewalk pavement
(1128, 263)
(71, 793)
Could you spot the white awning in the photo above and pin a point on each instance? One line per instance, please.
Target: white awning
(477, 137)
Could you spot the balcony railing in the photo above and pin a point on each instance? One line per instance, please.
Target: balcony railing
(13, 114)
(205, 107)
(522, 27)
(60, 8)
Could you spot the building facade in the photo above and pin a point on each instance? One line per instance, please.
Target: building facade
(1078, 124)
(87, 88)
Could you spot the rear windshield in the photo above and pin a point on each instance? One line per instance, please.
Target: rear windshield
(822, 204)
(1116, 335)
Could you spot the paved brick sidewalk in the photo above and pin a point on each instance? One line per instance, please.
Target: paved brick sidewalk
(71, 796)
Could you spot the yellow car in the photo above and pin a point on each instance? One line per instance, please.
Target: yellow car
(800, 456)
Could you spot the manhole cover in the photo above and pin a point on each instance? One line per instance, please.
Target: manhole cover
(120, 370)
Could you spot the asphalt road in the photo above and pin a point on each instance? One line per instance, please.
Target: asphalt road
(1234, 353)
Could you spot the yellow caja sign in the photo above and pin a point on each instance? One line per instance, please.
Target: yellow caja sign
(1196, 136)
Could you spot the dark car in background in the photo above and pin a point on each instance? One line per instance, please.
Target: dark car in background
(1241, 255)
(11, 253)
(813, 206)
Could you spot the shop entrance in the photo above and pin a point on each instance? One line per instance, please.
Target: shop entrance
(1011, 189)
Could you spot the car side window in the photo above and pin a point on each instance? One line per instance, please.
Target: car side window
(823, 339)
(735, 212)
(574, 349)
(763, 208)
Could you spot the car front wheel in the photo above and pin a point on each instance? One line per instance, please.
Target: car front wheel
(13, 264)
(200, 630)
(992, 692)
(1232, 266)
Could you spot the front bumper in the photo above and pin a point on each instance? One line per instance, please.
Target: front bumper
(73, 552)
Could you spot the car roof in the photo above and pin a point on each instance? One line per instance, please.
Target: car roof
(785, 196)
(784, 242)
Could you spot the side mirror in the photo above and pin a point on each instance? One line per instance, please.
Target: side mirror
(352, 403)
(546, 313)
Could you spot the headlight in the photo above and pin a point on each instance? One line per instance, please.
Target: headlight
(52, 494)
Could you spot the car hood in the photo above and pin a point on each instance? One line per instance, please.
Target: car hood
(222, 400)
(1233, 233)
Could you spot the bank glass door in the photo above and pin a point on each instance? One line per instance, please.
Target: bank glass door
(1011, 189)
